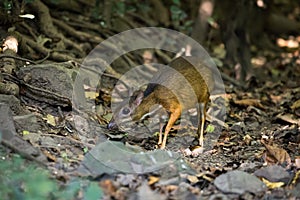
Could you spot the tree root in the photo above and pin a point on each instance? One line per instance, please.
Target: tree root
(47, 27)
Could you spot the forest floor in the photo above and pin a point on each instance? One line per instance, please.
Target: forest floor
(257, 156)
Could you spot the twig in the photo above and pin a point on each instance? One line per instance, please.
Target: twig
(17, 57)
(233, 81)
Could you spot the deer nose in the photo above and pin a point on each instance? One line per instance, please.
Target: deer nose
(112, 125)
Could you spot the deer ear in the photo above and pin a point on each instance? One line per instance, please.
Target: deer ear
(137, 97)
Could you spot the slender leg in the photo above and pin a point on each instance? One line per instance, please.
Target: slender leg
(173, 117)
(201, 113)
(161, 126)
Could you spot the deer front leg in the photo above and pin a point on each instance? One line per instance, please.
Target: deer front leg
(173, 117)
(161, 126)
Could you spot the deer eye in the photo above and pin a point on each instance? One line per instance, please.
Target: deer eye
(125, 111)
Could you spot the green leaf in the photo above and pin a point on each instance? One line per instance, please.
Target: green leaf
(176, 2)
(85, 149)
(211, 21)
(218, 62)
(175, 10)
(210, 128)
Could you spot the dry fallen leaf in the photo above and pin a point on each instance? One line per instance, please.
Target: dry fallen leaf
(90, 94)
(289, 43)
(206, 176)
(296, 105)
(197, 151)
(171, 188)
(288, 118)
(247, 139)
(275, 155)
(249, 102)
(10, 43)
(51, 119)
(297, 162)
(152, 180)
(276, 98)
(186, 152)
(192, 179)
(296, 177)
(272, 185)
(49, 155)
(108, 187)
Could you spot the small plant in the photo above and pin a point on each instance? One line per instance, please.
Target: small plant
(20, 179)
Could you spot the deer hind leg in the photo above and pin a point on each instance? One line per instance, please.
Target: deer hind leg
(202, 116)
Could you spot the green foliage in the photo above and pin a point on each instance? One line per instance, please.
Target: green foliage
(85, 149)
(210, 128)
(93, 192)
(7, 5)
(179, 17)
(176, 2)
(19, 180)
(22, 180)
(28, 1)
(90, 190)
(119, 7)
(54, 1)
